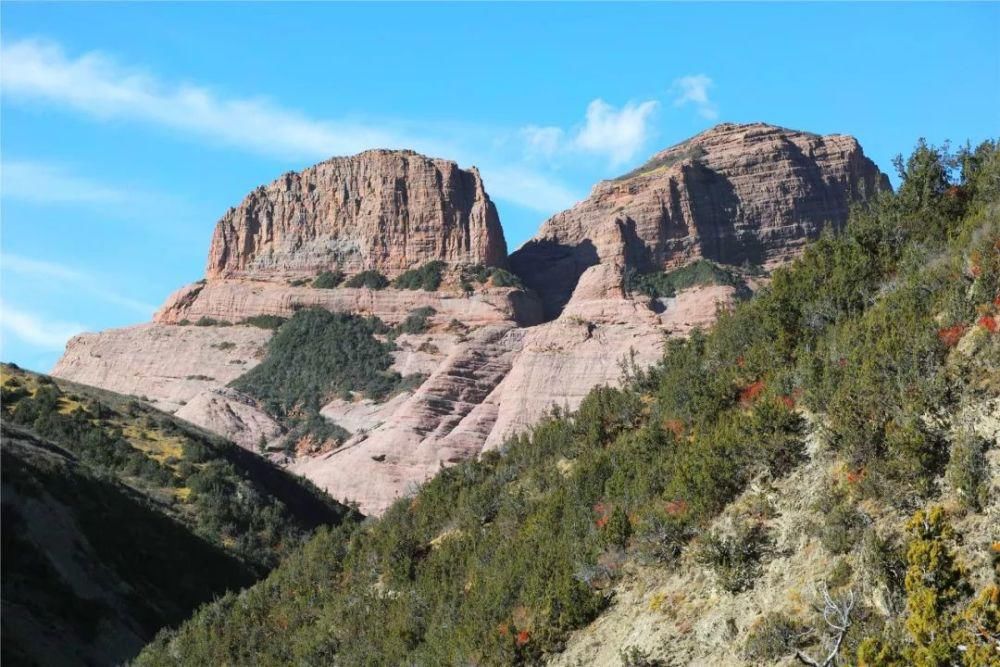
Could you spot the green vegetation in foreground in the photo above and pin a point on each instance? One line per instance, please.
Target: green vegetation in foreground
(426, 277)
(495, 562)
(661, 284)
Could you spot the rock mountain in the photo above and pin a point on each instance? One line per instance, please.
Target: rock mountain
(496, 356)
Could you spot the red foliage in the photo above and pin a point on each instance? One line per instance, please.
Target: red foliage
(603, 511)
(523, 637)
(675, 426)
(788, 402)
(989, 323)
(504, 630)
(841, 362)
(752, 392)
(677, 507)
(950, 336)
(855, 476)
(741, 361)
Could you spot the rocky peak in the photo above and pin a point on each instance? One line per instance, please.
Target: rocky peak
(735, 193)
(381, 209)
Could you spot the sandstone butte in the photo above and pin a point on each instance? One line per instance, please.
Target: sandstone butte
(496, 359)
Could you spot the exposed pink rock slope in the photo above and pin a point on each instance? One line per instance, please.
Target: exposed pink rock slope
(494, 365)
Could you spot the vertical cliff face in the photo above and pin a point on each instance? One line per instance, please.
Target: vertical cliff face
(736, 193)
(382, 210)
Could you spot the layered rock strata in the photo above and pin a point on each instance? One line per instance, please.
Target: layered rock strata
(736, 193)
(382, 210)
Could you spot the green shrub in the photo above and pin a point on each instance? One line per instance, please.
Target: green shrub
(482, 274)
(773, 637)
(735, 558)
(967, 471)
(426, 277)
(418, 321)
(265, 321)
(370, 279)
(328, 279)
(211, 322)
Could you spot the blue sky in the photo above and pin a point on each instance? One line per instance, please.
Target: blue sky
(128, 129)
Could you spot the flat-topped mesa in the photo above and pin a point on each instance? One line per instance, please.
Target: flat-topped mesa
(735, 193)
(383, 210)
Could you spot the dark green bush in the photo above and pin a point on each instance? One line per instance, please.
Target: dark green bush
(370, 279)
(426, 277)
(418, 321)
(328, 279)
(211, 322)
(265, 321)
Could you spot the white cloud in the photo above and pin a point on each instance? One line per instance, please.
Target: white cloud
(96, 85)
(35, 329)
(71, 278)
(619, 134)
(542, 141)
(615, 134)
(693, 89)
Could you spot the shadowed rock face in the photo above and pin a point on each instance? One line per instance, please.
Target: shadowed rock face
(736, 193)
(383, 210)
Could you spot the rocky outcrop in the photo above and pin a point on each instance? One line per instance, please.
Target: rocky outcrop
(235, 300)
(168, 365)
(736, 193)
(419, 437)
(382, 210)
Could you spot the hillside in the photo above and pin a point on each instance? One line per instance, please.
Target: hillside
(453, 354)
(816, 476)
(120, 520)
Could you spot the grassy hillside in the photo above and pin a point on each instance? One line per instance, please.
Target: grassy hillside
(155, 516)
(866, 351)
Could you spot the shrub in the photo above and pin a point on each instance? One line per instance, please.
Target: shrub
(265, 321)
(482, 274)
(967, 472)
(774, 636)
(211, 322)
(426, 277)
(735, 558)
(418, 321)
(328, 279)
(370, 279)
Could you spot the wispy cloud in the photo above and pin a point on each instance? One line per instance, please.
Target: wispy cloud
(614, 134)
(40, 182)
(36, 330)
(98, 86)
(74, 279)
(693, 89)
